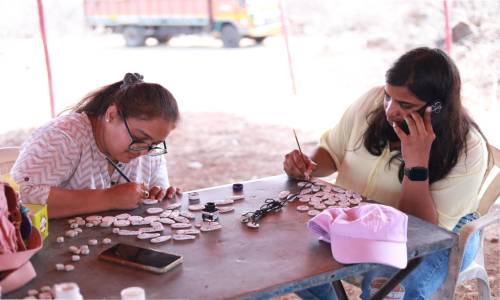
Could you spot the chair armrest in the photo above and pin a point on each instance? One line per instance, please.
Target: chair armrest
(470, 229)
(456, 255)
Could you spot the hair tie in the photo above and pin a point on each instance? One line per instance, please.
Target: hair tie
(131, 79)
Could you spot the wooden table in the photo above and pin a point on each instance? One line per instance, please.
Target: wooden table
(280, 257)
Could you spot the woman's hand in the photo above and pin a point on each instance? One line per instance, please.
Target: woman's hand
(298, 166)
(416, 145)
(126, 195)
(159, 193)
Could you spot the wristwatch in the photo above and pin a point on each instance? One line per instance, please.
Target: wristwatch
(416, 173)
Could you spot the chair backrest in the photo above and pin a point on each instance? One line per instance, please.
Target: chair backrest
(8, 156)
(491, 184)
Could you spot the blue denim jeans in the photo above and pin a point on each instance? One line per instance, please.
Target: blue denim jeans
(421, 283)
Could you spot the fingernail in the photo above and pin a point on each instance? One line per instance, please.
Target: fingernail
(428, 109)
(393, 124)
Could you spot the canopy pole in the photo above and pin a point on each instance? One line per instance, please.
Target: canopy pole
(47, 59)
(284, 28)
(447, 29)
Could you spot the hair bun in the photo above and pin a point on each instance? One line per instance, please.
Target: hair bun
(131, 79)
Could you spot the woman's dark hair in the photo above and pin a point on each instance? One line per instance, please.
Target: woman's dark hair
(431, 76)
(133, 98)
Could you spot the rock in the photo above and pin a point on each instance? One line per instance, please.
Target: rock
(461, 31)
(195, 165)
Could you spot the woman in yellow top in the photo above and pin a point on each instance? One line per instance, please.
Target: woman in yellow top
(409, 144)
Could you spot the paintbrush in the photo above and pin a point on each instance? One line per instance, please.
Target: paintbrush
(118, 169)
(300, 151)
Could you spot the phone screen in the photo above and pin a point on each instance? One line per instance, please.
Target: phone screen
(141, 257)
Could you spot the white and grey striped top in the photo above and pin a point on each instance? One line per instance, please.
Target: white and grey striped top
(63, 153)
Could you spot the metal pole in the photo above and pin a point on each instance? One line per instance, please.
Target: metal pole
(447, 29)
(211, 23)
(284, 28)
(47, 59)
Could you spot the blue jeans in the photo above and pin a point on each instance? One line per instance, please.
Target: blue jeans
(421, 283)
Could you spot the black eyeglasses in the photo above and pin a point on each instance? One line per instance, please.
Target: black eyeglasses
(138, 146)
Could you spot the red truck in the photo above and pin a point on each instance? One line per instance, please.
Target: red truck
(230, 20)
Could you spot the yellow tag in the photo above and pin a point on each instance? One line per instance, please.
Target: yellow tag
(39, 217)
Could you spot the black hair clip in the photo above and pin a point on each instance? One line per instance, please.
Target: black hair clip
(436, 107)
(131, 79)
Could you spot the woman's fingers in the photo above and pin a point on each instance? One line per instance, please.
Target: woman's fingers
(428, 120)
(291, 169)
(298, 165)
(154, 192)
(299, 161)
(419, 123)
(144, 191)
(311, 166)
(303, 164)
(161, 195)
(399, 132)
(170, 192)
(412, 127)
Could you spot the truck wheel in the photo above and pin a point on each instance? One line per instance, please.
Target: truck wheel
(163, 39)
(230, 36)
(134, 36)
(259, 40)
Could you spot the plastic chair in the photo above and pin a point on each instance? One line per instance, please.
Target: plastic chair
(8, 156)
(476, 269)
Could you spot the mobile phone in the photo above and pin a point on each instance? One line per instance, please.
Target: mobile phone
(141, 258)
(436, 108)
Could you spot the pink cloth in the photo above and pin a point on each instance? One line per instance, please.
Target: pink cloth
(371, 233)
(7, 230)
(15, 264)
(23, 270)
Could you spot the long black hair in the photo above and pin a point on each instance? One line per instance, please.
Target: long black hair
(133, 98)
(430, 75)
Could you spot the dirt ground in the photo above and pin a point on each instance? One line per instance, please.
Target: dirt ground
(209, 149)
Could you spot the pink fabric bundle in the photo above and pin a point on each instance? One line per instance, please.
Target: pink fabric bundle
(371, 233)
(14, 254)
(8, 237)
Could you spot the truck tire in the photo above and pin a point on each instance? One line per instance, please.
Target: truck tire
(259, 40)
(163, 39)
(134, 36)
(230, 36)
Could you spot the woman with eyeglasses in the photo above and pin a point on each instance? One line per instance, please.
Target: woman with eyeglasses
(107, 153)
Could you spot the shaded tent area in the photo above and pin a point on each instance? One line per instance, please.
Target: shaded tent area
(193, 169)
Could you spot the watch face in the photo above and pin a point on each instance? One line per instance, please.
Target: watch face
(417, 173)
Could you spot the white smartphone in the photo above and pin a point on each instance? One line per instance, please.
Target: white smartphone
(141, 258)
